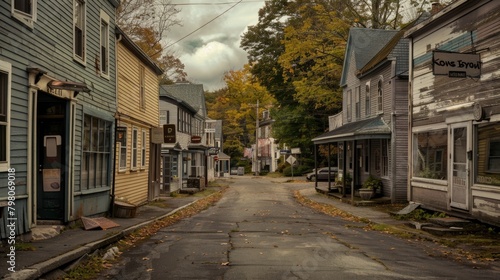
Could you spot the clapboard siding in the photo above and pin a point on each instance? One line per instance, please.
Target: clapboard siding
(132, 185)
(48, 45)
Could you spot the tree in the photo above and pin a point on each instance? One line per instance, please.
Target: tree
(236, 107)
(147, 22)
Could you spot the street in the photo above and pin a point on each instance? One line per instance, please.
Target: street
(258, 231)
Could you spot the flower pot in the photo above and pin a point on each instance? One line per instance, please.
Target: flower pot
(366, 194)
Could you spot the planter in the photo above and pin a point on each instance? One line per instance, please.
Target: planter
(366, 194)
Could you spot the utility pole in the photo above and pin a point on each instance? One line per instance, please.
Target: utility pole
(257, 140)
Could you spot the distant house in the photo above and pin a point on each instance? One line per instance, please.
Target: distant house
(57, 105)
(372, 140)
(137, 175)
(185, 159)
(268, 150)
(454, 149)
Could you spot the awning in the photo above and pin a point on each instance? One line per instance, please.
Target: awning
(223, 156)
(374, 128)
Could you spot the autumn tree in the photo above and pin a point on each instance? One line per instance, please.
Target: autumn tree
(236, 107)
(147, 23)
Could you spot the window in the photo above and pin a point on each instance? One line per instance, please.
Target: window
(367, 100)
(142, 89)
(380, 92)
(96, 152)
(143, 149)
(385, 157)
(24, 10)
(79, 30)
(5, 80)
(123, 152)
(183, 121)
(164, 117)
(357, 102)
(488, 154)
(366, 152)
(429, 154)
(349, 108)
(104, 43)
(133, 156)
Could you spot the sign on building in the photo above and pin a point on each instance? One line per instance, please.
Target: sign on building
(456, 65)
(169, 133)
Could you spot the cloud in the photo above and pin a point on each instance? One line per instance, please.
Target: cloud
(214, 49)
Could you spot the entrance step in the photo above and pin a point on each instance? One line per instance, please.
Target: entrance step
(41, 232)
(450, 222)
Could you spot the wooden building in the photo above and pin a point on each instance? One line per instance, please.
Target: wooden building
(454, 145)
(369, 137)
(57, 96)
(137, 172)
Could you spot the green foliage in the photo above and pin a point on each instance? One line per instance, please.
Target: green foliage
(372, 183)
(421, 215)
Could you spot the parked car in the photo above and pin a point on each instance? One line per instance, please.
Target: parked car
(323, 174)
(234, 171)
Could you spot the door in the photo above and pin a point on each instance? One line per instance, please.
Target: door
(166, 174)
(154, 171)
(51, 158)
(459, 166)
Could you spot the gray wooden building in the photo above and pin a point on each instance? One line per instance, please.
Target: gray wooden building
(57, 104)
(454, 149)
(372, 137)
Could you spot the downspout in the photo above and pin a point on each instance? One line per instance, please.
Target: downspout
(116, 125)
(410, 121)
(393, 132)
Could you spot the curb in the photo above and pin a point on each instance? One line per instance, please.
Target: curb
(37, 270)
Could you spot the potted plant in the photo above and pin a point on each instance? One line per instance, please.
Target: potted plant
(348, 181)
(370, 186)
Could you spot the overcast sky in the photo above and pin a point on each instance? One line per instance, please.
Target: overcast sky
(214, 49)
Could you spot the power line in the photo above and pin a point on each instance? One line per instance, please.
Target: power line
(189, 34)
(217, 3)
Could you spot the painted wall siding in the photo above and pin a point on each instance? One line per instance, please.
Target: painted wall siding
(49, 46)
(431, 93)
(401, 140)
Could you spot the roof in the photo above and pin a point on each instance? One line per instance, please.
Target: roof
(364, 44)
(398, 48)
(137, 51)
(373, 128)
(193, 94)
(222, 155)
(165, 95)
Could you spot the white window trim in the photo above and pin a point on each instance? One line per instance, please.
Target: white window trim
(143, 149)
(83, 59)
(134, 165)
(26, 19)
(104, 17)
(368, 101)
(122, 168)
(7, 67)
(380, 95)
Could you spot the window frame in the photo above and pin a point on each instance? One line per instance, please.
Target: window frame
(104, 26)
(380, 95)
(6, 68)
(357, 102)
(96, 157)
(134, 149)
(143, 149)
(142, 87)
(367, 99)
(123, 148)
(28, 19)
(489, 156)
(349, 105)
(80, 58)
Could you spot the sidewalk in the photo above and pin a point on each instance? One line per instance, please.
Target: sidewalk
(74, 243)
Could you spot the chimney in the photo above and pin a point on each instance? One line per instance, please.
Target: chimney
(436, 7)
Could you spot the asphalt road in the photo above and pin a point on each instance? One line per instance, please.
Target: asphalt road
(258, 231)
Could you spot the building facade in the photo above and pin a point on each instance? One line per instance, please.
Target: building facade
(57, 77)
(137, 116)
(373, 136)
(454, 145)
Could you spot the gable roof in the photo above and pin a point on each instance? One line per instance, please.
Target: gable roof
(364, 44)
(192, 94)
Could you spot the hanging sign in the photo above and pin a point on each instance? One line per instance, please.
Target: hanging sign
(169, 133)
(456, 65)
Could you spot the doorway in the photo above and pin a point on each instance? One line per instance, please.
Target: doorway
(51, 157)
(459, 166)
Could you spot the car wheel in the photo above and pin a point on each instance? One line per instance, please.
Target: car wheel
(313, 178)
